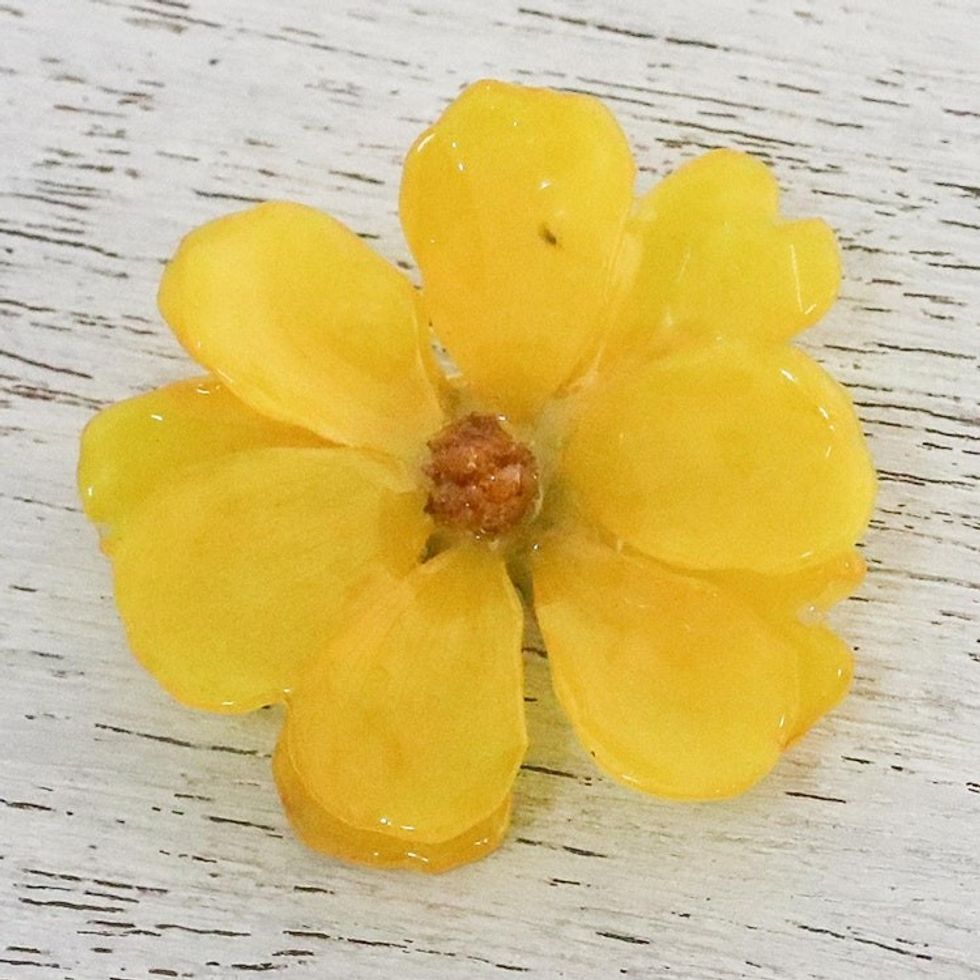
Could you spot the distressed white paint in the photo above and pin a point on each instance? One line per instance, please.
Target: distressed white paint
(140, 839)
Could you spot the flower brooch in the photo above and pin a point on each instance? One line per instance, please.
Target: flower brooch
(631, 448)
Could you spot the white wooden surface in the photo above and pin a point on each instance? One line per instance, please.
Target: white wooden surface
(139, 839)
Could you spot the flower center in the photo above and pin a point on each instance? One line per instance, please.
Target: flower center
(482, 480)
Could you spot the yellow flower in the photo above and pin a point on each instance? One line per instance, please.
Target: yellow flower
(323, 520)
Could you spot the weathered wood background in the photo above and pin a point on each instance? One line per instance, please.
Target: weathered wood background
(139, 839)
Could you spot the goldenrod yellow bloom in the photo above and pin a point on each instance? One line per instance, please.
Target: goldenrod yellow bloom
(323, 520)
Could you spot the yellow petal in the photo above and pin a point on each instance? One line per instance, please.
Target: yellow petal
(802, 594)
(319, 829)
(135, 446)
(720, 186)
(305, 324)
(715, 259)
(411, 723)
(513, 204)
(228, 579)
(674, 684)
(795, 605)
(724, 457)
(826, 669)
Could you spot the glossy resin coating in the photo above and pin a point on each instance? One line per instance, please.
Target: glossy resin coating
(325, 521)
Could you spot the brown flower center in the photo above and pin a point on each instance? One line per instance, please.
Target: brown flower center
(482, 479)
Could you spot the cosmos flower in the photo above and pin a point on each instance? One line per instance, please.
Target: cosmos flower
(630, 446)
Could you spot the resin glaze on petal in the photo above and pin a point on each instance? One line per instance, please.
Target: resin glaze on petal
(709, 257)
(514, 204)
(674, 685)
(322, 831)
(135, 447)
(411, 721)
(229, 579)
(306, 324)
(728, 456)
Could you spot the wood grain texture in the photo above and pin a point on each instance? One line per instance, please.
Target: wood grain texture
(139, 839)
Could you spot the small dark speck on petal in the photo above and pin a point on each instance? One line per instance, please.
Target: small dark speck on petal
(548, 236)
